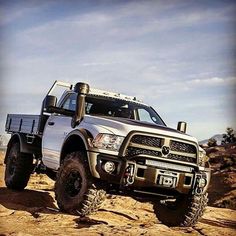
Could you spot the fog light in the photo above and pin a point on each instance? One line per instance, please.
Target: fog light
(202, 183)
(109, 166)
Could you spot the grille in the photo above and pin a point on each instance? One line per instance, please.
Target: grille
(181, 158)
(175, 146)
(182, 147)
(133, 151)
(145, 140)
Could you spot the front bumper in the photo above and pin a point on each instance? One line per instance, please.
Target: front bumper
(156, 175)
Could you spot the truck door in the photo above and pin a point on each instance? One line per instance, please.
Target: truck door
(56, 129)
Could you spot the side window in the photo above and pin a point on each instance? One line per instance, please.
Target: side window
(66, 105)
(70, 102)
(145, 116)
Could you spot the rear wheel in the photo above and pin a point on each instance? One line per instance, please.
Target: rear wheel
(76, 192)
(186, 210)
(18, 168)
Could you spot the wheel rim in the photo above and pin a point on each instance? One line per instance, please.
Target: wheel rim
(73, 183)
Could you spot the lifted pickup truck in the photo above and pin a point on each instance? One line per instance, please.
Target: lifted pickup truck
(91, 141)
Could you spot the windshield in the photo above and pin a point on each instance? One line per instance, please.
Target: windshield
(104, 106)
(114, 107)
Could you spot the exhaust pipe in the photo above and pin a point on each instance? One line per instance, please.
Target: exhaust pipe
(82, 89)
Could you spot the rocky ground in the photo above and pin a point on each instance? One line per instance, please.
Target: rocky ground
(34, 211)
(222, 192)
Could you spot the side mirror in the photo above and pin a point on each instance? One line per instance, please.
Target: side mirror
(182, 126)
(49, 102)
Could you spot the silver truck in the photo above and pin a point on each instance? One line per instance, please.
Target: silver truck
(92, 142)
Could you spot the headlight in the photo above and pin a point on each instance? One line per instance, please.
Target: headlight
(203, 158)
(108, 142)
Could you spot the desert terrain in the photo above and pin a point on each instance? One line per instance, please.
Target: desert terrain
(34, 211)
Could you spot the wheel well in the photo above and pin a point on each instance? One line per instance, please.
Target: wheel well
(72, 144)
(14, 139)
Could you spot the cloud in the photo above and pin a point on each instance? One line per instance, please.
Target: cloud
(212, 82)
(129, 21)
(13, 11)
(8, 18)
(165, 54)
(209, 81)
(98, 63)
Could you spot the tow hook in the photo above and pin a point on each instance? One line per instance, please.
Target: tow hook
(201, 182)
(129, 175)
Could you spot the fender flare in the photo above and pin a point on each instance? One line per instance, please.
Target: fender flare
(83, 134)
(24, 146)
(85, 137)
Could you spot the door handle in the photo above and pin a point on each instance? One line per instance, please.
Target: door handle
(51, 123)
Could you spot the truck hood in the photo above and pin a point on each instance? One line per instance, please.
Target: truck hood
(122, 126)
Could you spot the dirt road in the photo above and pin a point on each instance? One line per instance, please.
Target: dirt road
(34, 212)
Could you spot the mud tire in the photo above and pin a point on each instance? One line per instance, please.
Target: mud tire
(78, 194)
(185, 212)
(19, 166)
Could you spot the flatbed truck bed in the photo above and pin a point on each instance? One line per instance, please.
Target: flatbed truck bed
(24, 123)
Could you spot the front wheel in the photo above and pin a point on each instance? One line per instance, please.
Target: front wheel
(19, 166)
(185, 211)
(75, 190)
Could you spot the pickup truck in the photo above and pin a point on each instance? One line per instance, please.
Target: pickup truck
(92, 141)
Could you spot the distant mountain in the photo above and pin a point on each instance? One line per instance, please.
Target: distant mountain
(217, 137)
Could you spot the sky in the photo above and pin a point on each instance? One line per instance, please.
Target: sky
(177, 56)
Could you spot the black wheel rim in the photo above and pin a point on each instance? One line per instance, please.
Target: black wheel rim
(73, 183)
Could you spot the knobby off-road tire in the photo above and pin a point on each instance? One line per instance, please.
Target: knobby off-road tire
(76, 192)
(19, 166)
(185, 211)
